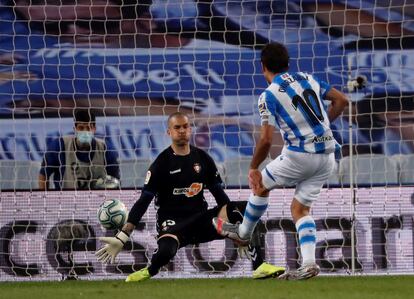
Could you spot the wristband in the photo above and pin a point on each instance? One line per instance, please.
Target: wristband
(122, 236)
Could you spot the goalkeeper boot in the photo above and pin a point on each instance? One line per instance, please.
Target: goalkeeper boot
(304, 272)
(139, 276)
(230, 231)
(267, 270)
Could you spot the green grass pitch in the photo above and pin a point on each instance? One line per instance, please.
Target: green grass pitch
(364, 287)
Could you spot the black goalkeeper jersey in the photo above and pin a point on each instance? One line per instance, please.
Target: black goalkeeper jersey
(178, 182)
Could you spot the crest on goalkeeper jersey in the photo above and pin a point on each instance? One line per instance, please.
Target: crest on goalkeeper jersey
(197, 167)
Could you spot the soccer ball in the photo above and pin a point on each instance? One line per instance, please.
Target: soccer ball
(112, 214)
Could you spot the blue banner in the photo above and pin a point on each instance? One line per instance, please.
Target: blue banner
(52, 61)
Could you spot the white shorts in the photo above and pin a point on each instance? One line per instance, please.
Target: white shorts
(308, 172)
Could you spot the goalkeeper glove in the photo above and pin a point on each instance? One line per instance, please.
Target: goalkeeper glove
(114, 245)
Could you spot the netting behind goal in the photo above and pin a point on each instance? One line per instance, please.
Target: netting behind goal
(132, 63)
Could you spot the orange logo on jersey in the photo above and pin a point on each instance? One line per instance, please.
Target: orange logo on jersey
(191, 191)
(194, 189)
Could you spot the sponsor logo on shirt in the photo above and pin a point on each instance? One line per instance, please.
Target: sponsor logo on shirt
(319, 139)
(191, 191)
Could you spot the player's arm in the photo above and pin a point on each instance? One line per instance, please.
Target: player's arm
(114, 245)
(338, 100)
(268, 123)
(138, 210)
(263, 145)
(50, 163)
(260, 153)
(220, 196)
(42, 182)
(338, 103)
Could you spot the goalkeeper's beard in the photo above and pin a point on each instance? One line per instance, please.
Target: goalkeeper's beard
(182, 141)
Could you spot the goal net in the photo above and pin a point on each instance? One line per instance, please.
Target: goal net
(132, 63)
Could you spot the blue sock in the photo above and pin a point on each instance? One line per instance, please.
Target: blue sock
(306, 229)
(255, 208)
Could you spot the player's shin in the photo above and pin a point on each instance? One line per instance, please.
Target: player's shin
(306, 230)
(255, 247)
(255, 208)
(167, 248)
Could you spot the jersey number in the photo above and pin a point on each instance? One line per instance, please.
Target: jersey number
(309, 104)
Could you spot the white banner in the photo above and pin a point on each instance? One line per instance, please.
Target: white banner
(44, 236)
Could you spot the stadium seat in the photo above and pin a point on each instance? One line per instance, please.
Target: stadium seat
(133, 172)
(333, 180)
(222, 171)
(19, 175)
(405, 164)
(368, 170)
(236, 171)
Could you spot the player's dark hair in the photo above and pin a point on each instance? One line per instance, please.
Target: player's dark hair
(275, 58)
(84, 116)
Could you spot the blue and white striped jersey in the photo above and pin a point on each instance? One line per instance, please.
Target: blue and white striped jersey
(293, 102)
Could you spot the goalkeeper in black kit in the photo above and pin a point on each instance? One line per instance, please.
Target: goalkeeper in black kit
(177, 179)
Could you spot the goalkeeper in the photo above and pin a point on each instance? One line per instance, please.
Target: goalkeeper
(177, 179)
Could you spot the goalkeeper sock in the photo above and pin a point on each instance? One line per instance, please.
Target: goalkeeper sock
(306, 230)
(167, 248)
(235, 211)
(255, 208)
